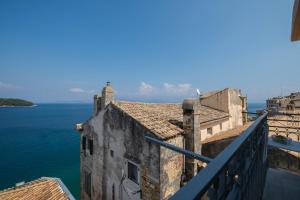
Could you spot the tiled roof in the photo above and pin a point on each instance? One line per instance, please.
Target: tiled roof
(165, 120)
(227, 134)
(43, 188)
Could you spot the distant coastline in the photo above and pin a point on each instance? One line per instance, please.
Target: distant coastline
(18, 106)
(10, 102)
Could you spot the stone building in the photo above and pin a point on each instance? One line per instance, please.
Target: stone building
(290, 103)
(117, 162)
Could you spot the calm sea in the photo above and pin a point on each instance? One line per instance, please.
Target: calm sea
(41, 141)
(252, 107)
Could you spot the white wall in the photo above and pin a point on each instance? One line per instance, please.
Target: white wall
(215, 128)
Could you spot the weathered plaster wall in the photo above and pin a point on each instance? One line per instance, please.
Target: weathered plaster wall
(235, 108)
(227, 100)
(92, 163)
(279, 158)
(171, 168)
(115, 131)
(297, 103)
(219, 101)
(216, 129)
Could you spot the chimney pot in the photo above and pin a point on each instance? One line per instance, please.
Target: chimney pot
(188, 104)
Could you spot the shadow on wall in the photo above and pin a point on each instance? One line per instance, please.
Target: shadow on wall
(283, 159)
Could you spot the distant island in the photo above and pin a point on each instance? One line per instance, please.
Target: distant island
(9, 102)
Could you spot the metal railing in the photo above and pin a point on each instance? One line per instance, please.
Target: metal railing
(185, 152)
(236, 173)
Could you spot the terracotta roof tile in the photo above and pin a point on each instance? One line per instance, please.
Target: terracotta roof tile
(227, 134)
(43, 188)
(164, 119)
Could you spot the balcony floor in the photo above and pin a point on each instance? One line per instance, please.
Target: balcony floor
(281, 184)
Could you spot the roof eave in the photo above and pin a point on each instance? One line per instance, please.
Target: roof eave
(63, 187)
(215, 120)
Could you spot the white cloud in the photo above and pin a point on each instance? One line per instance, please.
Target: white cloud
(146, 89)
(77, 90)
(7, 86)
(178, 90)
(167, 90)
(80, 90)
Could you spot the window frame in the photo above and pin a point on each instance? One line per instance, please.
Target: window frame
(209, 130)
(83, 143)
(128, 163)
(112, 153)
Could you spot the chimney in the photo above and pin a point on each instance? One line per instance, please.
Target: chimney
(192, 134)
(97, 103)
(107, 95)
(244, 109)
(100, 102)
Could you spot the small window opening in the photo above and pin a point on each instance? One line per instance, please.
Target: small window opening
(133, 172)
(112, 153)
(113, 192)
(209, 131)
(91, 147)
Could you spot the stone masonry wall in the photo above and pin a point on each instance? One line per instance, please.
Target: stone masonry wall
(171, 168)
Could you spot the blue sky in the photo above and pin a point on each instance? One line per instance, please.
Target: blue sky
(64, 51)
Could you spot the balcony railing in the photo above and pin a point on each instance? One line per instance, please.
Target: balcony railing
(236, 173)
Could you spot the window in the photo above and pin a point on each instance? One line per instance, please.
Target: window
(87, 184)
(113, 192)
(221, 126)
(209, 131)
(133, 173)
(91, 148)
(112, 153)
(83, 143)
